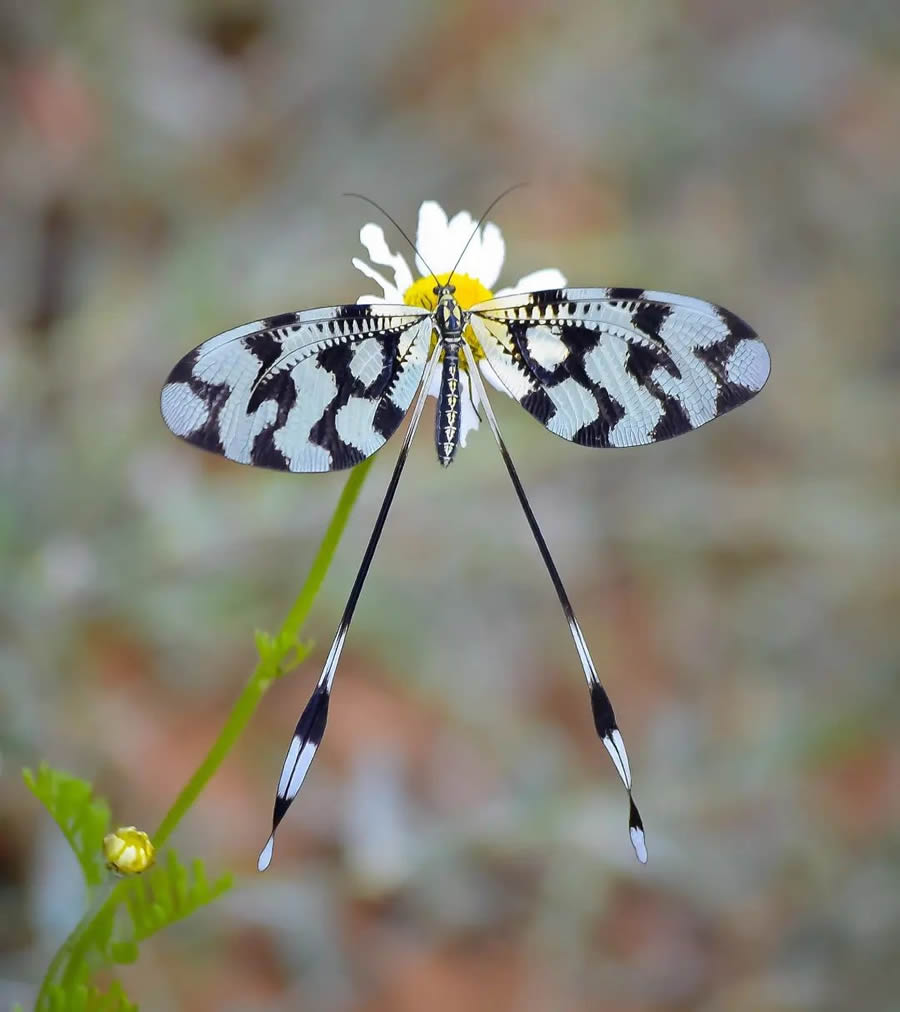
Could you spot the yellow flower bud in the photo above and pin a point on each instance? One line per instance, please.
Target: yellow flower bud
(128, 850)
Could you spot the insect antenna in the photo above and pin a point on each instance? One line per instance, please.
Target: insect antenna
(490, 207)
(604, 717)
(393, 221)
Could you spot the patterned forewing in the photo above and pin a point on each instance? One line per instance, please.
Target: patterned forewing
(318, 390)
(620, 366)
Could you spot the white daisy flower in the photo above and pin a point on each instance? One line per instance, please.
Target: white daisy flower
(439, 240)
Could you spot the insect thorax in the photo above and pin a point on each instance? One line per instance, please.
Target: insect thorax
(448, 315)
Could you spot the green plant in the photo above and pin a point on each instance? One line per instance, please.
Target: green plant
(123, 912)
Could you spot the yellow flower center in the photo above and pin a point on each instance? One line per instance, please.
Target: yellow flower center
(469, 292)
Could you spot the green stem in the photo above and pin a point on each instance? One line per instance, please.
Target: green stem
(240, 714)
(268, 667)
(295, 618)
(275, 651)
(64, 965)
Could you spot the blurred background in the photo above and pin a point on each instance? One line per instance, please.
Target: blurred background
(175, 168)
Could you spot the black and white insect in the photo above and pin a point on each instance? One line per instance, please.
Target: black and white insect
(322, 389)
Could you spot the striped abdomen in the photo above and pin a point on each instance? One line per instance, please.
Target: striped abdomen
(446, 418)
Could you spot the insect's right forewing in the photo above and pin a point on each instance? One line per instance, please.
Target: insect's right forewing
(620, 366)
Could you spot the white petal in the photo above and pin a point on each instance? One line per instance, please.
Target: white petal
(492, 378)
(432, 238)
(468, 414)
(372, 237)
(442, 241)
(537, 281)
(374, 300)
(459, 231)
(484, 249)
(434, 387)
(491, 254)
(483, 257)
(391, 293)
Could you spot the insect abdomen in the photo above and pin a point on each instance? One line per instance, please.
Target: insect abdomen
(446, 418)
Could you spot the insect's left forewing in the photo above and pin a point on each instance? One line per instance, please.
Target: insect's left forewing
(317, 390)
(620, 366)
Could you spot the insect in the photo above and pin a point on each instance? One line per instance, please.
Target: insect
(322, 389)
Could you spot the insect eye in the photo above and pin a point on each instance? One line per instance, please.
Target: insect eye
(451, 288)
(436, 290)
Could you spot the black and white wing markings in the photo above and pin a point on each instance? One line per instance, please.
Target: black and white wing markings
(317, 390)
(620, 366)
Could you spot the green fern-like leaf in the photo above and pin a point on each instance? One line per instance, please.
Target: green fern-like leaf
(167, 893)
(83, 819)
(79, 995)
(113, 1000)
